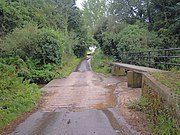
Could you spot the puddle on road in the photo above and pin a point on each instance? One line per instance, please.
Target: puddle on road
(115, 124)
(110, 101)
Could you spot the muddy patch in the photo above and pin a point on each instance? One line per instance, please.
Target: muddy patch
(119, 97)
(110, 100)
(134, 118)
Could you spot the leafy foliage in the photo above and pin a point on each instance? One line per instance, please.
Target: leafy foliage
(134, 38)
(109, 44)
(39, 44)
(159, 15)
(28, 70)
(79, 50)
(16, 95)
(100, 62)
(139, 25)
(94, 12)
(128, 39)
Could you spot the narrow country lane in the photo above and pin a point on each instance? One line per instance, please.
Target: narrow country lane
(82, 104)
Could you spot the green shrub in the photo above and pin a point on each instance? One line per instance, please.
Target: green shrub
(16, 95)
(33, 52)
(132, 38)
(109, 44)
(79, 50)
(13, 14)
(100, 63)
(42, 45)
(44, 74)
(29, 70)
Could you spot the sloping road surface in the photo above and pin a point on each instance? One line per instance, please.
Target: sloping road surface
(81, 104)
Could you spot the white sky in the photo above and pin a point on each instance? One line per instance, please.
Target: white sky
(78, 3)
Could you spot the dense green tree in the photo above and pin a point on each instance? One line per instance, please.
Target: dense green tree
(161, 16)
(12, 15)
(94, 12)
(128, 10)
(41, 32)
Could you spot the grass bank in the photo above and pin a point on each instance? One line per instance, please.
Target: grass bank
(100, 62)
(170, 79)
(67, 67)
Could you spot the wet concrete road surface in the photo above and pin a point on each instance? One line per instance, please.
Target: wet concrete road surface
(81, 104)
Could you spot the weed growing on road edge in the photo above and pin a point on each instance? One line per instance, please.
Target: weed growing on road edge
(138, 104)
(162, 120)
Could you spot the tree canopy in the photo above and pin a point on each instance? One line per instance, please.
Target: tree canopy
(41, 32)
(159, 19)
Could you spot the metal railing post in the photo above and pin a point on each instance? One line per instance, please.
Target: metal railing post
(165, 58)
(149, 62)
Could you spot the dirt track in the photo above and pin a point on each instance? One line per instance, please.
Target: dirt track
(82, 104)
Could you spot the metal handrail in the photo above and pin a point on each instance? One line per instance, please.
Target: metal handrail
(154, 58)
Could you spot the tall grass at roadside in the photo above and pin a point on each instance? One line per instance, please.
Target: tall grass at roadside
(162, 119)
(100, 62)
(67, 66)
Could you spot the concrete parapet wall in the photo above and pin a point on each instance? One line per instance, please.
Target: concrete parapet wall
(118, 71)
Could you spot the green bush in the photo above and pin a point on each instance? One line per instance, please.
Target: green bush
(36, 53)
(13, 14)
(132, 38)
(109, 43)
(16, 95)
(80, 47)
(100, 63)
(44, 74)
(79, 50)
(42, 45)
(29, 70)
